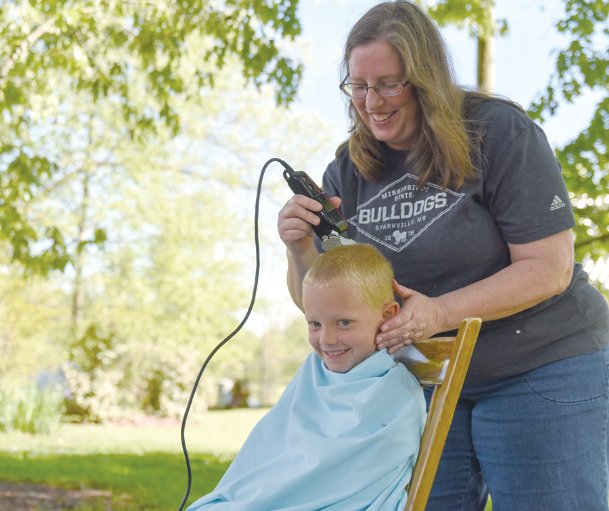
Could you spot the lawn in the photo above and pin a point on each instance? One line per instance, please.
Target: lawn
(141, 464)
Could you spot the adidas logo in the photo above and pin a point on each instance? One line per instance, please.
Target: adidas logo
(557, 203)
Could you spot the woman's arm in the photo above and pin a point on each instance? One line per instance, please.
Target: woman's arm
(538, 270)
(294, 226)
(298, 265)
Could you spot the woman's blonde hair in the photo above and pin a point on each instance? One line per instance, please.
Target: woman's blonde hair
(361, 267)
(440, 149)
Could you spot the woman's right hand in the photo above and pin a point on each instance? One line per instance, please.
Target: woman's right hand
(295, 219)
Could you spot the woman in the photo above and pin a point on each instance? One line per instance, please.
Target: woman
(462, 192)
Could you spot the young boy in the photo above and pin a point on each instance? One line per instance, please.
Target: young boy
(345, 434)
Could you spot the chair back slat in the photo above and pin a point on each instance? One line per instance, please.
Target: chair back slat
(427, 359)
(443, 362)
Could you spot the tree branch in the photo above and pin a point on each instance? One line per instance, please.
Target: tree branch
(24, 47)
(592, 240)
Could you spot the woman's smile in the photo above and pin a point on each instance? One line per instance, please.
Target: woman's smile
(380, 117)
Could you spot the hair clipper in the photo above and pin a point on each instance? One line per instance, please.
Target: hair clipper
(332, 228)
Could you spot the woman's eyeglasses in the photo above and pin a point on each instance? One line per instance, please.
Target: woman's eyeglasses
(383, 89)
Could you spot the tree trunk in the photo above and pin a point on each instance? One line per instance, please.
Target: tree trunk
(486, 62)
(78, 292)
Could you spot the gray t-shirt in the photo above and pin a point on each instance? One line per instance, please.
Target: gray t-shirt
(439, 240)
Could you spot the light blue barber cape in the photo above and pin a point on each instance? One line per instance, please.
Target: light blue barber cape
(334, 441)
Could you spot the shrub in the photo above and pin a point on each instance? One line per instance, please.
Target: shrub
(93, 376)
(92, 396)
(31, 409)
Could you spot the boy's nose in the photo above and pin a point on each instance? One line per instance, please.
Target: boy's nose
(327, 337)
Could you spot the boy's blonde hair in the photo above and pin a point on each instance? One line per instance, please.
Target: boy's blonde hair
(360, 266)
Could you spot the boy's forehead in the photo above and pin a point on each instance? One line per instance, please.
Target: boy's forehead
(337, 293)
(332, 286)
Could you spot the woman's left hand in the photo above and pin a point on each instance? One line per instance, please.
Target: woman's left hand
(419, 318)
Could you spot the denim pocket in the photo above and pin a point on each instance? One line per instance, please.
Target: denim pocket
(572, 380)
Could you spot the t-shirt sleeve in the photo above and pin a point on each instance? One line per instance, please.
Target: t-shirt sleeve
(329, 183)
(524, 187)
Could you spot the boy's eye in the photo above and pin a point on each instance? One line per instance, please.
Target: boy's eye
(314, 324)
(344, 322)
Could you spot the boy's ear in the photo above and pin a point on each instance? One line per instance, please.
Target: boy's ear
(390, 309)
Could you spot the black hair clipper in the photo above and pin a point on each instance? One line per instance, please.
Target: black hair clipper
(332, 228)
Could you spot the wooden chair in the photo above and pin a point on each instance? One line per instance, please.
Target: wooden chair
(442, 362)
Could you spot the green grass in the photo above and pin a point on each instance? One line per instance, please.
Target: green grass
(142, 466)
(150, 481)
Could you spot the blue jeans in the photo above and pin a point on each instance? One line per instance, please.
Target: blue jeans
(536, 442)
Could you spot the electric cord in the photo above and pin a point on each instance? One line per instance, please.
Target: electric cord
(229, 336)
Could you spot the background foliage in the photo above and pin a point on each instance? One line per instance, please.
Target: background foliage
(120, 165)
(131, 140)
(138, 55)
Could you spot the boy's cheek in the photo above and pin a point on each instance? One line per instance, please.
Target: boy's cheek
(314, 342)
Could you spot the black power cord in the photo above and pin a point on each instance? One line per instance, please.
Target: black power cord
(228, 337)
